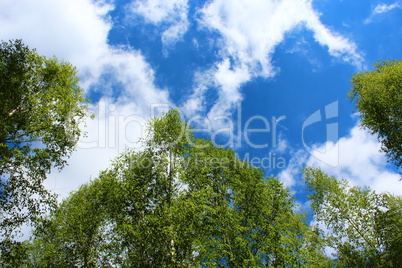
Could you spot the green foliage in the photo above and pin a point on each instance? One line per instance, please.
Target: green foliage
(378, 97)
(70, 237)
(42, 106)
(364, 226)
(14, 253)
(181, 202)
(389, 227)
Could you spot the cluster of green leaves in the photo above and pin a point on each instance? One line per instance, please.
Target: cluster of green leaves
(181, 202)
(363, 227)
(378, 97)
(41, 108)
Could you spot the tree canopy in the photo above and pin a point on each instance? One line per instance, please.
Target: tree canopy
(184, 202)
(181, 202)
(362, 226)
(42, 106)
(378, 97)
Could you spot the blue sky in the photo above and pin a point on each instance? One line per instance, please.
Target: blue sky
(267, 78)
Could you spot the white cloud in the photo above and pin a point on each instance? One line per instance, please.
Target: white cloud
(380, 9)
(203, 80)
(281, 144)
(250, 32)
(116, 127)
(171, 15)
(228, 81)
(130, 69)
(77, 31)
(293, 170)
(72, 30)
(359, 161)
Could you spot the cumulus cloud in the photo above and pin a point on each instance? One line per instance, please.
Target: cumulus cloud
(289, 175)
(171, 16)
(72, 30)
(359, 161)
(136, 77)
(116, 127)
(226, 79)
(203, 81)
(250, 32)
(380, 9)
(77, 31)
